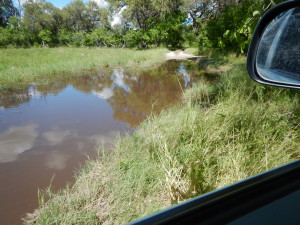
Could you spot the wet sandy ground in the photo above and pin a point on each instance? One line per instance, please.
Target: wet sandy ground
(180, 55)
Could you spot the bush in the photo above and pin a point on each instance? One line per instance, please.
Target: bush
(5, 37)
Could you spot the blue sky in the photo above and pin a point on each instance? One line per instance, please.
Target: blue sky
(62, 3)
(59, 3)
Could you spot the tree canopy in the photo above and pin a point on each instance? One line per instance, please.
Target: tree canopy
(7, 9)
(222, 24)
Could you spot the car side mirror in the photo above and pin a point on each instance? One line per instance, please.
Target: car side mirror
(274, 53)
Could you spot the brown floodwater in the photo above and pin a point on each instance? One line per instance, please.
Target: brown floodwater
(47, 132)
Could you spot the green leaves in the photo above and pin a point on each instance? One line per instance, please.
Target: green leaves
(226, 34)
(221, 43)
(226, 25)
(255, 13)
(232, 28)
(45, 36)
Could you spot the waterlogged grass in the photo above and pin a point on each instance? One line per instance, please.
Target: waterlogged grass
(20, 67)
(220, 133)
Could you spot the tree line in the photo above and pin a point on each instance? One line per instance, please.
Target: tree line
(222, 24)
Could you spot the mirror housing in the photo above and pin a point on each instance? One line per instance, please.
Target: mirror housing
(269, 60)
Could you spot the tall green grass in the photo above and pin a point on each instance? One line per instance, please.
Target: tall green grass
(219, 134)
(20, 67)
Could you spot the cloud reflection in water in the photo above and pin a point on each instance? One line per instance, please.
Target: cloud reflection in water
(118, 80)
(16, 141)
(103, 138)
(57, 160)
(56, 136)
(106, 93)
(118, 77)
(186, 77)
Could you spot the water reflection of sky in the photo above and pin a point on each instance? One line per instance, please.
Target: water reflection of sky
(53, 121)
(45, 139)
(16, 140)
(118, 78)
(34, 93)
(106, 93)
(58, 116)
(48, 130)
(60, 112)
(186, 77)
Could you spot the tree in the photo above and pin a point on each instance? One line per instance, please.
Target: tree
(153, 21)
(171, 30)
(97, 17)
(233, 23)
(40, 15)
(5, 37)
(7, 9)
(198, 11)
(79, 16)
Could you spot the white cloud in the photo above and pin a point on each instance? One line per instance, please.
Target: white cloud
(117, 17)
(22, 2)
(101, 3)
(19, 2)
(116, 20)
(16, 141)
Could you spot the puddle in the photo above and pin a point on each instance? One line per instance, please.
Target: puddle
(46, 132)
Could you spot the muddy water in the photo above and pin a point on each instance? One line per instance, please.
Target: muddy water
(46, 132)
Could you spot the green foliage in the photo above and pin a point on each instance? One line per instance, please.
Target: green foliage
(100, 37)
(5, 37)
(168, 31)
(232, 29)
(88, 40)
(131, 38)
(190, 38)
(15, 36)
(45, 36)
(155, 36)
(41, 15)
(225, 25)
(172, 30)
(14, 22)
(77, 39)
(86, 24)
(64, 37)
(84, 17)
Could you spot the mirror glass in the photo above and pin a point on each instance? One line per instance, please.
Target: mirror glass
(278, 55)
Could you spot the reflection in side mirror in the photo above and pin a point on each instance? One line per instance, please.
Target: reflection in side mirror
(278, 55)
(274, 53)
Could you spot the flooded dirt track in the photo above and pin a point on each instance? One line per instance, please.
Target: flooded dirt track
(46, 132)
